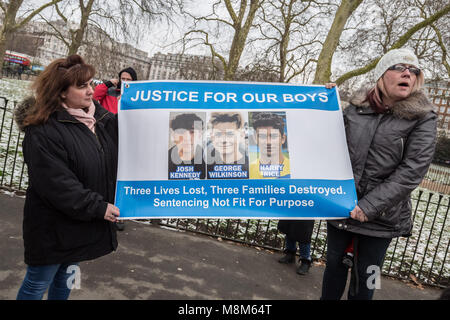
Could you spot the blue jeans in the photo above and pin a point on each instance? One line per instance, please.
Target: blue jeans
(53, 277)
(370, 253)
(305, 248)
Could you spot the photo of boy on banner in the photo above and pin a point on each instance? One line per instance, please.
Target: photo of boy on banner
(185, 157)
(227, 147)
(269, 154)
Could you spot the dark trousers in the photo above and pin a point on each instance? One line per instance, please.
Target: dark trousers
(370, 254)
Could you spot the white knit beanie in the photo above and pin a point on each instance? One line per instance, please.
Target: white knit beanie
(393, 57)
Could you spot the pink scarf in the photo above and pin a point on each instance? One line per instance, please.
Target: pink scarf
(84, 117)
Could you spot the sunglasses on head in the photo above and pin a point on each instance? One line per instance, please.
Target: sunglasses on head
(401, 68)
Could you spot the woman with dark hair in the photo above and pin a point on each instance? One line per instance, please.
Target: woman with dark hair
(391, 132)
(70, 148)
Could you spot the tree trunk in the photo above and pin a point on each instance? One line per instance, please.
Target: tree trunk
(9, 26)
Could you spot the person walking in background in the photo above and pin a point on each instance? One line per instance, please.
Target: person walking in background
(70, 148)
(108, 93)
(391, 133)
(297, 231)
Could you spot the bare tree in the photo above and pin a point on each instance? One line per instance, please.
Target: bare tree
(359, 31)
(199, 68)
(73, 35)
(436, 40)
(439, 40)
(101, 50)
(122, 19)
(323, 70)
(259, 71)
(25, 42)
(211, 31)
(290, 27)
(136, 15)
(11, 24)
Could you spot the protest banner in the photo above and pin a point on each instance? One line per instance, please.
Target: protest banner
(199, 149)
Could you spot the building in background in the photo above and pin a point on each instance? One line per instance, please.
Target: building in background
(39, 40)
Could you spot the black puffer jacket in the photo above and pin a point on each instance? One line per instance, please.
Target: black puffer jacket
(72, 174)
(390, 154)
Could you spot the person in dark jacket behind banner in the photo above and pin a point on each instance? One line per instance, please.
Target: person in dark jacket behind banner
(391, 133)
(70, 148)
(297, 231)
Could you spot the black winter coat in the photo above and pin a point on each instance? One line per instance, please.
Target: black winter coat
(72, 174)
(390, 154)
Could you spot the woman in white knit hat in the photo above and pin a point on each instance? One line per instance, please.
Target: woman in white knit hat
(391, 130)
